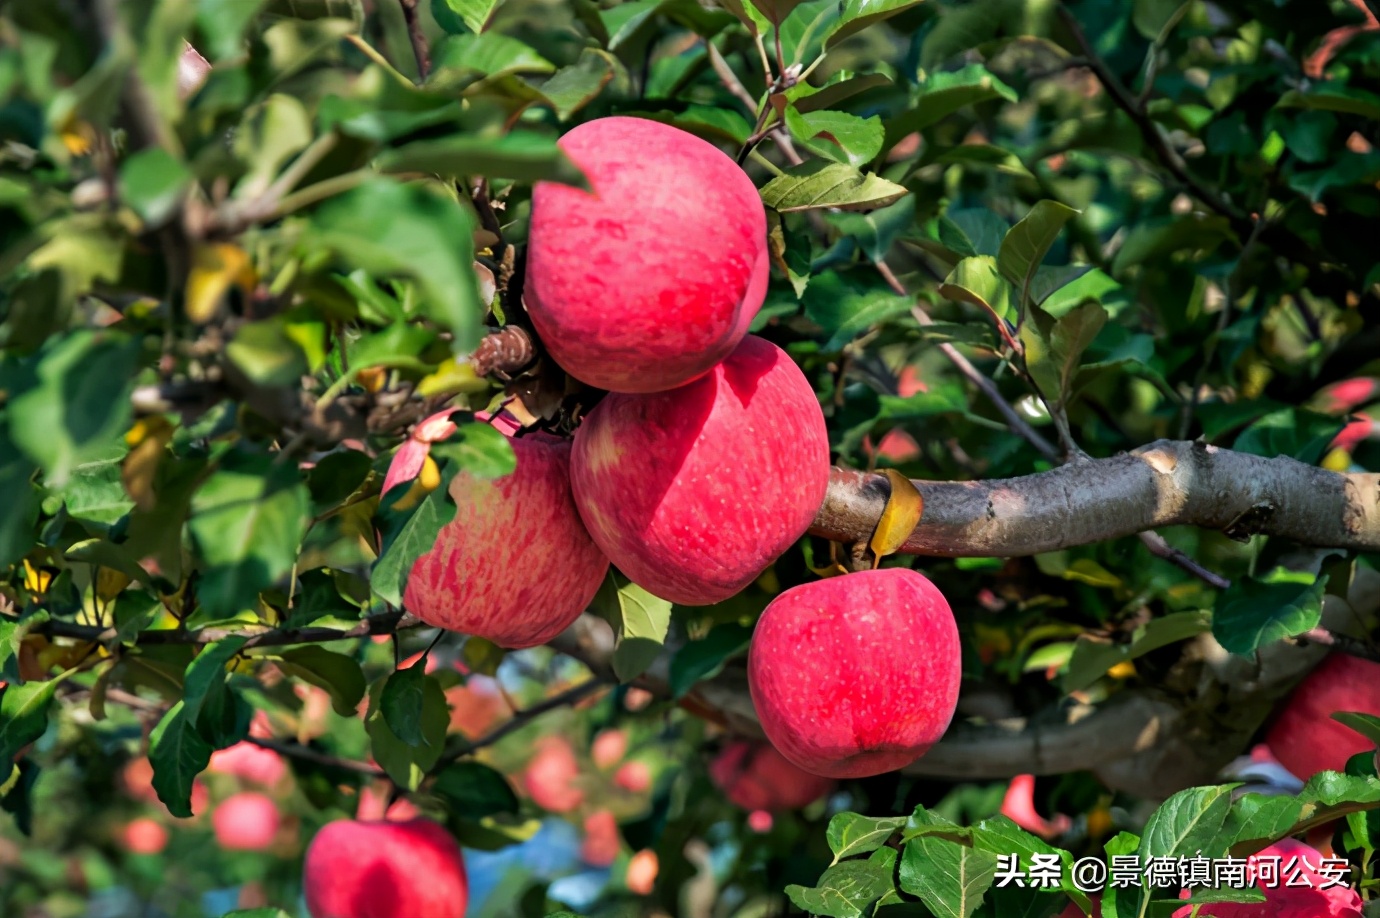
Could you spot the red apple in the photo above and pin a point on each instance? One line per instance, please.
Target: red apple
(1304, 738)
(550, 774)
(760, 821)
(642, 870)
(475, 707)
(385, 870)
(692, 493)
(602, 841)
(1019, 807)
(608, 748)
(245, 822)
(373, 807)
(755, 776)
(249, 762)
(856, 675)
(633, 776)
(144, 836)
(515, 566)
(1284, 901)
(654, 278)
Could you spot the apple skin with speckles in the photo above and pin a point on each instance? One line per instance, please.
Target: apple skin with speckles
(692, 493)
(360, 869)
(516, 565)
(653, 278)
(856, 675)
(1304, 738)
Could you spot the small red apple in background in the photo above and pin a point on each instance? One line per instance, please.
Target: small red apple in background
(608, 748)
(1019, 807)
(385, 870)
(1304, 738)
(637, 698)
(654, 278)
(136, 779)
(143, 836)
(373, 807)
(755, 776)
(1344, 396)
(515, 566)
(246, 821)
(250, 763)
(642, 870)
(475, 707)
(692, 493)
(602, 841)
(760, 821)
(550, 775)
(1283, 901)
(633, 776)
(856, 675)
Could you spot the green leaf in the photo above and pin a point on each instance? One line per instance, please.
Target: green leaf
(461, 59)
(337, 674)
(406, 763)
(474, 13)
(96, 492)
(846, 304)
(1368, 725)
(973, 231)
(521, 155)
(850, 834)
(705, 658)
(950, 878)
(946, 92)
(478, 449)
(401, 703)
(572, 88)
(1186, 823)
(818, 184)
(248, 521)
(414, 537)
(639, 621)
(178, 754)
(77, 404)
(1296, 432)
(152, 182)
(839, 136)
(859, 14)
(875, 232)
(1054, 347)
(847, 889)
(24, 715)
(266, 354)
(1027, 243)
(975, 280)
(474, 790)
(388, 228)
(1256, 611)
(1091, 659)
(1346, 99)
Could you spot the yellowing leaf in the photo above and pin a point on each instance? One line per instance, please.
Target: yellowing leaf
(78, 137)
(110, 582)
(452, 376)
(372, 378)
(425, 482)
(215, 269)
(1123, 670)
(36, 579)
(900, 517)
(137, 472)
(152, 426)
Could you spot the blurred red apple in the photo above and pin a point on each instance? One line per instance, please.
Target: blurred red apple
(516, 565)
(692, 493)
(475, 707)
(246, 821)
(250, 763)
(1304, 738)
(755, 776)
(642, 870)
(856, 675)
(760, 821)
(144, 836)
(633, 776)
(373, 807)
(385, 870)
(550, 774)
(652, 279)
(602, 841)
(608, 748)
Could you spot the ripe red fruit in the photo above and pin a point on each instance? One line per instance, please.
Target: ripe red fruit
(1019, 806)
(642, 870)
(550, 774)
(755, 776)
(249, 762)
(1304, 737)
(385, 870)
(654, 278)
(601, 843)
(245, 822)
(633, 776)
(608, 748)
(692, 493)
(144, 836)
(856, 675)
(1284, 901)
(515, 566)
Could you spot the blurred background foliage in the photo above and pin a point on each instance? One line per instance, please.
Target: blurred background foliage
(222, 310)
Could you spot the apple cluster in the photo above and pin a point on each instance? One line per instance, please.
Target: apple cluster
(706, 460)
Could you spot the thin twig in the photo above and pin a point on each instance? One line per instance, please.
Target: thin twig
(387, 623)
(414, 32)
(308, 754)
(729, 78)
(1162, 549)
(521, 718)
